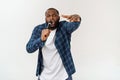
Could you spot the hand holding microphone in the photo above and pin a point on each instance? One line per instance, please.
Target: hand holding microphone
(45, 32)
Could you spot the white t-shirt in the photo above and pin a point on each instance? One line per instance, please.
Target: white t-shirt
(53, 66)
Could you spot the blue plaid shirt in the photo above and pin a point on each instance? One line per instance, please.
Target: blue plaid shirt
(62, 43)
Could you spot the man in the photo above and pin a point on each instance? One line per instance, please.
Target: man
(52, 38)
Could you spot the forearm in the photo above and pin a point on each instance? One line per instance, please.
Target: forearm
(35, 41)
(71, 26)
(33, 45)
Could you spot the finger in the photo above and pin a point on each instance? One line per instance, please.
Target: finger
(74, 19)
(46, 31)
(66, 16)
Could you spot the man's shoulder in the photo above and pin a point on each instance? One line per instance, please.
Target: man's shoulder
(62, 22)
(40, 26)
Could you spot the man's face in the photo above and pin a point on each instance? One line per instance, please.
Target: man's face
(52, 16)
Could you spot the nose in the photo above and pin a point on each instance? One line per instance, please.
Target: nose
(51, 17)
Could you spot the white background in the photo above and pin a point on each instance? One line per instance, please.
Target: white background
(95, 45)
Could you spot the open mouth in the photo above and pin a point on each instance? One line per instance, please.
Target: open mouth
(52, 23)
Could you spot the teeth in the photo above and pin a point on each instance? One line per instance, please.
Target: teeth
(53, 22)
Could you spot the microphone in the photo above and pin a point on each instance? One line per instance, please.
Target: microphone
(49, 25)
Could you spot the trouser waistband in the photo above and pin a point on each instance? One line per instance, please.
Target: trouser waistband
(69, 78)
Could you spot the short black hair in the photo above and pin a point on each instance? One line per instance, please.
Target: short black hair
(53, 9)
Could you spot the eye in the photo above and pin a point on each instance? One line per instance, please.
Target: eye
(54, 15)
(47, 15)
